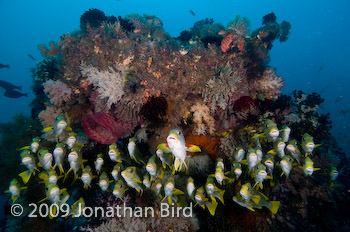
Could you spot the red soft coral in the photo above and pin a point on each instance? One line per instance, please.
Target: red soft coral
(231, 41)
(102, 127)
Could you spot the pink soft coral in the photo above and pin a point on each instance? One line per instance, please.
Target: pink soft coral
(47, 116)
(269, 84)
(102, 127)
(57, 91)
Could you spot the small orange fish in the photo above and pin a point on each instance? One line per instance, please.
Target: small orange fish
(137, 30)
(222, 32)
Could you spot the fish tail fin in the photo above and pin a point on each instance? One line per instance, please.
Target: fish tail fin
(52, 213)
(75, 178)
(60, 166)
(274, 206)
(186, 167)
(181, 201)
(177, 165)
(25, 176)
(161, 174)
(14, 198)
(211, 207)
(170, 201)
(65, 176)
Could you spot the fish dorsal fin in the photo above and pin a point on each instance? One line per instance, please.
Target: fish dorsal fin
(266, 198)
(193, 148)
(164, 148)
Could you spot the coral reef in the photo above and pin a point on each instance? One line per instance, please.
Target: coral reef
(125, 82)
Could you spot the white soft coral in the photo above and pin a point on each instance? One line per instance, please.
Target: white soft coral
(109, 82)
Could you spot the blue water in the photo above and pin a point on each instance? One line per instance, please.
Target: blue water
(315, 57)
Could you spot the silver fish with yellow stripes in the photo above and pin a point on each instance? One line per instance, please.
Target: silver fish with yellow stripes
(308, 144)
(99, 162)
(308, 167)
(86, 177)
(119, 189)
(59, 127)
(75, 162)
(166, 158)
(28, 161)
(260, 175)
(154, 168)
(190, 187)
(285, 133)
(235, 172)
(49, 176)
(104, 181)
(251, 199)
(71, 140)
(203, 201)
(146, 181)
(176, 144)
(252, 159)
(271, 131)
(34, 145)
(220, 172)
(77, 207)
(286, 165)
(134, 152)
(293, 150)
(239, 154)
(279, 146)
(115, 154)
(59, 154)
(45, 159)
(171, 192)
(133, 177)
(213, 191)
(15, 190)
(157, 187)
(269, 162)
(116, 172)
